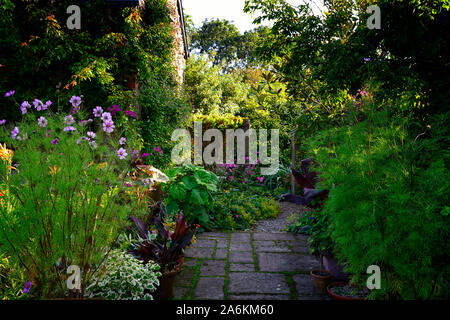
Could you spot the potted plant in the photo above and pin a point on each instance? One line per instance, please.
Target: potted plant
(165, 248)
(346, 291)
(320, 244)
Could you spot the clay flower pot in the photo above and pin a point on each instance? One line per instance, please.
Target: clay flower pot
(337, 296)
(167, 282)
(321, 279)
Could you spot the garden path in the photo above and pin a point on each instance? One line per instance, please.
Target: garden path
(265, 263)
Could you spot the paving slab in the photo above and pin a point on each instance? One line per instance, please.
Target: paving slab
(221, 254)
(240, 237)
(212, 235)
(199, 252)
(181, 292)
(281, 262)
(209, 288)
(184, 278)
(213, 268)
(274, 236)
(260, 283)
(204, 243)
(244, 257)
(240, 246)
(248, 267)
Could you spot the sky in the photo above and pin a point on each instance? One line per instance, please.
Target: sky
(232, 10)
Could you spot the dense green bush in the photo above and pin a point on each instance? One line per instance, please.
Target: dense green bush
(388, 202)
(236, 210)
(190, 190)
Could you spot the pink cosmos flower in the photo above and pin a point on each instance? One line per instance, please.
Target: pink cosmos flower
(91, 134)
(38, 104)
(24, 107)
(122, 153)
(108, 126)
(42, 122)
(75, 101)
(10, 93)
(106, 116)
(14, 132)
(70, 128)
(122, 140)
(69, 120)
(97, 111)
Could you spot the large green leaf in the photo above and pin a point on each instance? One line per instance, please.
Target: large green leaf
(189, 182)
(196, 197)
(178, 191)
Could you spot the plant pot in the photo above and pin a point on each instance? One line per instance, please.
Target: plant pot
(321, 281)
(167, 282)
(336, 296)
(330, 263)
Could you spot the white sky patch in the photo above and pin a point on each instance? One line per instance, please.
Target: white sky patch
(232, 10)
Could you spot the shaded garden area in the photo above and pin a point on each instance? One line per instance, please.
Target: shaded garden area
(92, 205)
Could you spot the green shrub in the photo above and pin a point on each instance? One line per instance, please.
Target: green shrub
(239, 210)
(189, 190)
(124, 277)
(388, 202)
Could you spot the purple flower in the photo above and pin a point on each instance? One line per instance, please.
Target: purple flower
(38, 104)
(54, 141)
(122, 140)
(134, 154)
(14, 133)
(260, 179)
(130, 113)
(24, 106)
(42, 122)
(237, 216)
(47, 104)
(146, 181)
(122, 153)
(9, 93)
(91, 134)
(114, 109)
(366, 59)
(106, 116)
(2, 122)
(108, 126)
(127, 184)
(69, 120)
(75, 101)
(231, 178)
(70, 128)
(27, 287)
(145, 155)
(75, 110)
(158, 149)
(97, 111)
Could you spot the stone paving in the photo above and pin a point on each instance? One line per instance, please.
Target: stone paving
(248, 265)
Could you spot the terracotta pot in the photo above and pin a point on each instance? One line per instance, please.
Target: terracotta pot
(167, 282)
(321, 281)
(335, 296)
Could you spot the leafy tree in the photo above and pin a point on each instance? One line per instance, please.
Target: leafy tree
(226, 45)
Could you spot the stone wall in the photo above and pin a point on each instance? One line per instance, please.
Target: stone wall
(179, 47)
